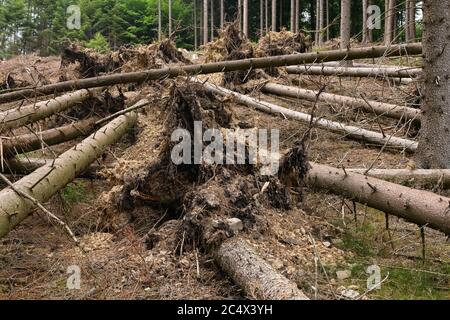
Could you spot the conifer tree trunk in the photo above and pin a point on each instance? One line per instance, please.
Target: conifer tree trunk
(345, 23)
(434, 147)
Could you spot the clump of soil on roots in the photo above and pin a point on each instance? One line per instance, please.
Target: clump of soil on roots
(86, 63)
(207, 196)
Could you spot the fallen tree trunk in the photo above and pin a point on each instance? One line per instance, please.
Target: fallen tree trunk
(351, 132)
(364, 65)
(422, 177)
(355, 71)
(35, 141)
(253, 274)
(23, 167)
(226, 66)
(43, 183)
(379, 108)
(20, 116)
(421, 207)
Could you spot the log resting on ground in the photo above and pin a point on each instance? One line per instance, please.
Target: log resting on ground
(355, 71)
(350, 132)
(421, 207)
(217, 67)
(23, 167)
(421, 177)
(46, 181)
(379, 108)
(35, 141)
(253, 274)
(20, 116)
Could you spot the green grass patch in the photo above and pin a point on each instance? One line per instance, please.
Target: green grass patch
(75, 192)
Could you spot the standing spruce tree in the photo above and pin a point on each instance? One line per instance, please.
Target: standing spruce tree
(434, 147)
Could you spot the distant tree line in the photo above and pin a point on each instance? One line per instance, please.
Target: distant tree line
(41, 25)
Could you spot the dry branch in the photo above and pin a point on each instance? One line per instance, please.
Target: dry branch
(351, 132)
(227, 66)
(380, 108)
(253, 274)
(47, 180)
(421, 207)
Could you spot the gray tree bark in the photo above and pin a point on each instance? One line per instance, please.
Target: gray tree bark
(222, 14)
(245, 19)
(205, 21)
(417, 206)
(21, 116)
(49, 179)
(379, 108)
(159, 21)
(349, 132)
(292, 16)
(321, 22)
(434, 146)
(274, 15)
(345, 24)
(365, 29)
(390, 16)
(35, 141)
(170, 18)
(253, 274)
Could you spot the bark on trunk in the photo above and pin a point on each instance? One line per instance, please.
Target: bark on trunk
(292, 16)
(379, 108)
(222, 14)
(23, 167)
(18, 117)
(356, 71)
(212, 20)
(159, 21)
(418, 177)
(253, 274)
(297, 16)
(434, 147)
(170, 18)
(195, 26)
(321, 22)
(49, 179)
(389, 22)
(412, 20)
(35, 141)
(205, 21)
(350, 132)
(365, 28)
(274, 15)
(345, 24)
(417, 206)
(226, 66)
(245, 19)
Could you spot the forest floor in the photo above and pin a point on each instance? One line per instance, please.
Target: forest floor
(322, 243)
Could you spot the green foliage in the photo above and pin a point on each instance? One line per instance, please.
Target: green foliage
(98, 43)
(74, 193)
